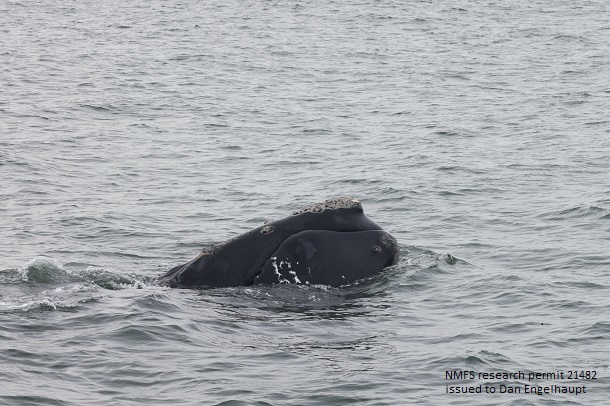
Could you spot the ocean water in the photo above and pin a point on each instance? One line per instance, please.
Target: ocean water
(134, 133)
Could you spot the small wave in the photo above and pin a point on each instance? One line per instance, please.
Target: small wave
(568, 37)
(46, 270)
(43, 284)
(10, 276)
(444, 263)
(43, 269)
(472, 360)
(577, 212)
(102, 109)
(7, 158)
(61, 298)
(113, 279)
(600, 328)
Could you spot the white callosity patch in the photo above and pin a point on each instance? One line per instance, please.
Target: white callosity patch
(284, 265)
(296, 278)
(276, 268)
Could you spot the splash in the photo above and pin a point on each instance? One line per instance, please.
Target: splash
(43, 269)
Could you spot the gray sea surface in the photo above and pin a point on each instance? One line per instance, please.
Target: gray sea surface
(135, 133)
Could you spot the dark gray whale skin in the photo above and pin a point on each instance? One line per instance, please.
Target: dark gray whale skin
(244, 260)
(329, 257)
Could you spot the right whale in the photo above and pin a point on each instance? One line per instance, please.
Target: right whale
(329, 243)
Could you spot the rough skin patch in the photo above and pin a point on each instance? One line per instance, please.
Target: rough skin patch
(331, 204)
(267, 229)
(390, 242)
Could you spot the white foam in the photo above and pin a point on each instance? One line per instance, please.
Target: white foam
(280, 277)
(296, 278)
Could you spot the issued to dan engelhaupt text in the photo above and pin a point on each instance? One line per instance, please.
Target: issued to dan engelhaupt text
(565, 382)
